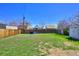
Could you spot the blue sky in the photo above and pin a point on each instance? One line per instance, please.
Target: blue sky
(35, 13)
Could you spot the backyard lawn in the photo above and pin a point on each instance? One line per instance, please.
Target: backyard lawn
(38, 45)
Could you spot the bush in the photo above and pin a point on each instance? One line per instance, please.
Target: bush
(66, 31)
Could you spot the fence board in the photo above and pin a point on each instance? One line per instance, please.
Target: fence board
(8, 32)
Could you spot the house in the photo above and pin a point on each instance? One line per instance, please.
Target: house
(74, 29)
(51, 26)
(12, 27)
(2, 26)
(29, 27)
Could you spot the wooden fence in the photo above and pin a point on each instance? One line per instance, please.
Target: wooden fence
(8, 32)
(42, 31)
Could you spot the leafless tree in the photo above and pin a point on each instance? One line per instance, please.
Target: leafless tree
(62, 25)
(13, 23)
(75, 21)
(42, 25)
(23, 25)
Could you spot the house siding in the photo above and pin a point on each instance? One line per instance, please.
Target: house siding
(11, 27)
(74, 32)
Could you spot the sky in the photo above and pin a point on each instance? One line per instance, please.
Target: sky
(37, 13)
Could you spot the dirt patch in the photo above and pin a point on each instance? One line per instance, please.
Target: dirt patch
(67, 43)
(60, 52)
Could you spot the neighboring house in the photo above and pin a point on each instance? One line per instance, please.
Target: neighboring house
(51, 26)
(12, 27)
(36, 27)
(2, 26)
(29, 27)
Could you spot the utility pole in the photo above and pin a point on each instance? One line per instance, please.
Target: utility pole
(23, 24)
(24, 17)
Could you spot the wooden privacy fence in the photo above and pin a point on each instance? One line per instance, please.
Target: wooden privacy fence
(42, 31)
(8, 32)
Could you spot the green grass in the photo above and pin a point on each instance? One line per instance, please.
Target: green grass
(35, 44)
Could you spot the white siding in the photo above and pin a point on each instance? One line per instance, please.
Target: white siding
(11, 27)
(50, 26)
(74, 33)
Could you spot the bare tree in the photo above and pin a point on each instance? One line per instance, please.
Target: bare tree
(13, 23)
(42, 25)
(75, 21)
(63, 25)
(23, 25)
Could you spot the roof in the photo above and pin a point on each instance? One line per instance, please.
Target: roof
(51, 26)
